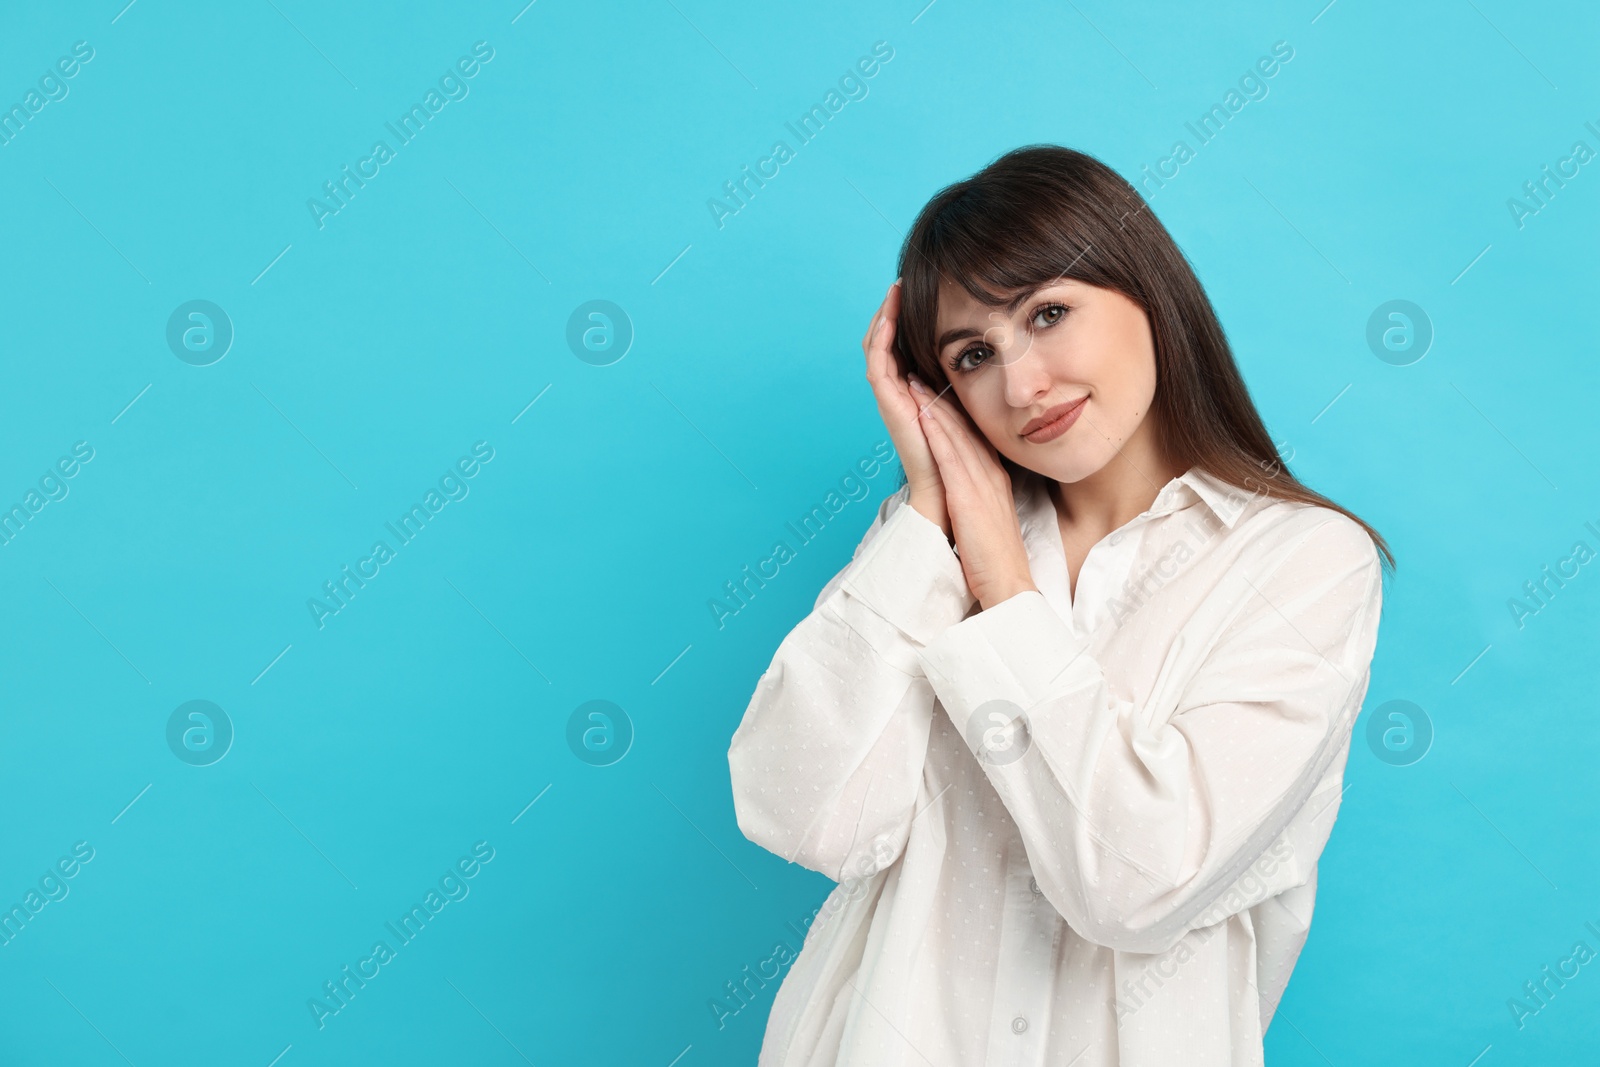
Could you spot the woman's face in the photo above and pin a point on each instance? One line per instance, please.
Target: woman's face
(1066, 342)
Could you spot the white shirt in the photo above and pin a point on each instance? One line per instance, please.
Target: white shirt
(1124, 874)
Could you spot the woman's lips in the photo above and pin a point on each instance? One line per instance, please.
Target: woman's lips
(1064, 416)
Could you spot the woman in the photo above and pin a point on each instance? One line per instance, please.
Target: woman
(1071, 726)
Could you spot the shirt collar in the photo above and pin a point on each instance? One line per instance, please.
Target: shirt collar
(1226, 500)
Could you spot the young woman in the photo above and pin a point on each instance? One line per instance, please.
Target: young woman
(1070, 728)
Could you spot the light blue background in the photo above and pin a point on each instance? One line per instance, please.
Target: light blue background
(432, 310)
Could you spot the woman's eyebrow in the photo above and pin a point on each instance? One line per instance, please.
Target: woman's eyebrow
(956, 334)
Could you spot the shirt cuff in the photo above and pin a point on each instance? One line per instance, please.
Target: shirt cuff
(909, 575)
(1018, 651)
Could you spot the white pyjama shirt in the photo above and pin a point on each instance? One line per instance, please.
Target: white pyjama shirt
(1074, 828)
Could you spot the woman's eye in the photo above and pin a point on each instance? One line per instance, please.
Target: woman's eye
(960, 362)
(1051, 319)
(969, 359)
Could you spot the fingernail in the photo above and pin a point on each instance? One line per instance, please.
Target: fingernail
(916, 383)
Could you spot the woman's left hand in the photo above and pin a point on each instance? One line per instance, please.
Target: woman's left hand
(977, 489)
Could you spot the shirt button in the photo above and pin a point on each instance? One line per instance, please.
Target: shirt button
(1018, 1025)
(1033, 887)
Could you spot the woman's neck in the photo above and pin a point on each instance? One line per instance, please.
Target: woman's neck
(1113, 495)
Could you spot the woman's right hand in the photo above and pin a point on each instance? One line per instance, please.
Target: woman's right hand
(900, 408)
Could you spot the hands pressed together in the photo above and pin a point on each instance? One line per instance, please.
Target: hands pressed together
(953, 471)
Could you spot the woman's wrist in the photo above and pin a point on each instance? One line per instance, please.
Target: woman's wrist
(1002, 592)
(934, 511)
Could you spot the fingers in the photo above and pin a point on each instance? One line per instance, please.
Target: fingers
(948, 441)
(872, 331)
(876, 345)
(872, 327)
(944, 457)
(889, 321)
(964, 446)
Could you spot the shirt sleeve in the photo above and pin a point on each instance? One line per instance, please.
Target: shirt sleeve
(1138, 817)
(826, 765)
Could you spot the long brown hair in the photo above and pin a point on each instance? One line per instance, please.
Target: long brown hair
(1044, 212)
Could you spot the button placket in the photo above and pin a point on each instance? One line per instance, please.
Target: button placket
(1028, 937)
(1109, 561)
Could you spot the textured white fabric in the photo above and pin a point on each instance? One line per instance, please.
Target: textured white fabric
(1115, 863)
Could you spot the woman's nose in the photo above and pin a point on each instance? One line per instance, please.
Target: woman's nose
(1025, 373)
